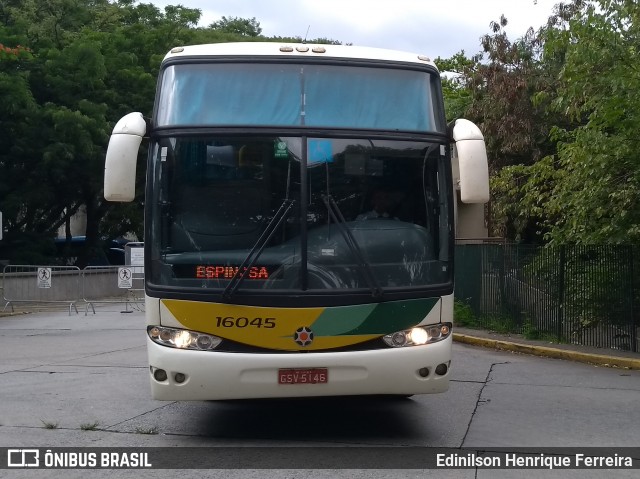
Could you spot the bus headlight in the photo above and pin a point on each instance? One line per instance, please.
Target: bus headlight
(182, 338)
(419, 335)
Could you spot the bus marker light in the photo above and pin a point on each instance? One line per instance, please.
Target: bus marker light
(204, 342)
(399, 338)
(434, 332)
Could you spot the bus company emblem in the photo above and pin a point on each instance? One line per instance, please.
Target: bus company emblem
(303, 336)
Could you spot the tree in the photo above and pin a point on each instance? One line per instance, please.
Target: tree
(91, 61)
(245, 27)
(455, 73)
(586, 191)
(506, 90)
(83, 64)
(600, 91)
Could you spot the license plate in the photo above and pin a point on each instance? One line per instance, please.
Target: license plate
(303, 376)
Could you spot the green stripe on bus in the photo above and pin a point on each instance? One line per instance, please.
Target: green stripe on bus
(381, 318)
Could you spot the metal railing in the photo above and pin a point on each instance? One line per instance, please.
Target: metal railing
(113, 285)
(68, 285)
(577, 294)
(41, 284)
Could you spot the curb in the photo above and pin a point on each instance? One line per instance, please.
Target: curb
(544, 351)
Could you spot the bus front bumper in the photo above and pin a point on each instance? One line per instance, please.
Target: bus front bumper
(209, 375)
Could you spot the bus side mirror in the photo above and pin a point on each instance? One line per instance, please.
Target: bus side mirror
(122, 155)
(472, 162)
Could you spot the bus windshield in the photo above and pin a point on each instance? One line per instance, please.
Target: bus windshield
(298, 213)
(288, 95)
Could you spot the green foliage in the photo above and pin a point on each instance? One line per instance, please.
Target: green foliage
(455, 89)
(503, 81)
(599, 91)
(147, 430)
(591, 283)
(49, 424)
(560, 111)
(246, 27)
(532, 332)
(69, 70)
(586, 191)
(521, 195)
(463, 315)
(501, 324)
(91, 426)
(72, 69)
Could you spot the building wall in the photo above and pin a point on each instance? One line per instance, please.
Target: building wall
(78, 224)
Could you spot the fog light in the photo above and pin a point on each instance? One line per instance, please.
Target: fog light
(442, 369)
(424, 372)
(160, 375)
(180, 378)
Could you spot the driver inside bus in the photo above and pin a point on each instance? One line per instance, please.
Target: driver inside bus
(382, 204)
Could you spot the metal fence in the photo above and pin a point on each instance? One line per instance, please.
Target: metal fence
(576, 294)
(70, 286)
(35, 284)
(113, 284)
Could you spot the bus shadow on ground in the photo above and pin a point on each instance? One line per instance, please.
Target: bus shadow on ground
(348, 419)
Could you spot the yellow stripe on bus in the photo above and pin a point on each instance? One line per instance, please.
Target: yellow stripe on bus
(271, 328)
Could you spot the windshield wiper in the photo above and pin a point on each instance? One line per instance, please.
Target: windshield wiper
(257, 249)
(338, 219)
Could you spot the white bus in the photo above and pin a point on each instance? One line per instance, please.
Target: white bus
(299, 211)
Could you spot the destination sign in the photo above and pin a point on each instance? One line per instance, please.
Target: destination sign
(218, 271)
